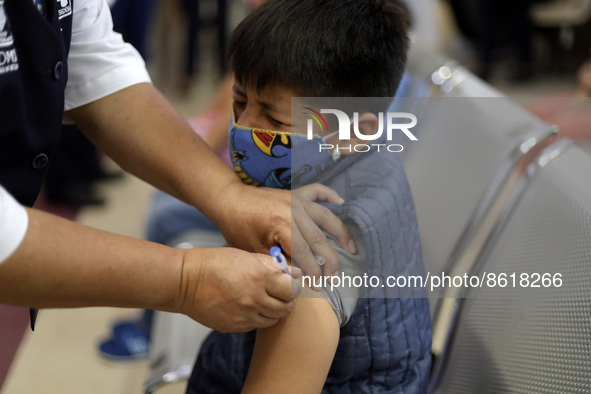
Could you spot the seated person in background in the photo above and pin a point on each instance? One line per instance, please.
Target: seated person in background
(346, 339)
(584, 80)
(570, 111)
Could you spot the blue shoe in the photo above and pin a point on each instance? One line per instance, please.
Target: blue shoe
(129, 342)
(125, 326)
(143, 323)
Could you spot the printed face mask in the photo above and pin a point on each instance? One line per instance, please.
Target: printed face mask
(264, 157)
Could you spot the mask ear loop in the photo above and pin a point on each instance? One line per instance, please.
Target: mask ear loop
(336, 153)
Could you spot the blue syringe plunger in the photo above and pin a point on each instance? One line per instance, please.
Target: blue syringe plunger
(275, 251)
(277, 255)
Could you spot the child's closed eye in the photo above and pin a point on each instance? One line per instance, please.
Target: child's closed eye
(277, 124)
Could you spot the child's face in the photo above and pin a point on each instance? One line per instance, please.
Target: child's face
(269, 109)
(263, 143)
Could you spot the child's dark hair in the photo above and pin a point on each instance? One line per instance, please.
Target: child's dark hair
(322, 48)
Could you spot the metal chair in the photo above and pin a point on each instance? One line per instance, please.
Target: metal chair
(517, 337)
(465, 162)
(468, 145)
(428, 75)
(430, 71)
(176, 338)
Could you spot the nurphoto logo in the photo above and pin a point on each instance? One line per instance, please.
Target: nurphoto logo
(390, 123)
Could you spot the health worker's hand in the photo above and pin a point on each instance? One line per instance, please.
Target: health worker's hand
(258, 218)
(231, 290)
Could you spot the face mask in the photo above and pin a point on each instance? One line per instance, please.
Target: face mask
(265, 158)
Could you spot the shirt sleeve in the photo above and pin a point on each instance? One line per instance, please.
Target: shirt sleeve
(343, 298)
(13, 224)
(100, 63)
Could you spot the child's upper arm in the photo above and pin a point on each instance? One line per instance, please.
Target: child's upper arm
(295, 355)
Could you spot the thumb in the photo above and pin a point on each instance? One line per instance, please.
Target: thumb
(295, 280)
(267, 261)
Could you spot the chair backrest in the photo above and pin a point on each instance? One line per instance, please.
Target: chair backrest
(471, 140)
(175, 342)
(463, 83)
(468, 144)
(429, 72)
(425, 74)
(519, 337)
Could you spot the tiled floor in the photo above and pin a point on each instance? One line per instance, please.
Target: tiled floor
(61, 355)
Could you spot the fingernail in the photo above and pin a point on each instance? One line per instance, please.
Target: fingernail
(295, 272)
(319, 280)
(351, 246)
(340, 200)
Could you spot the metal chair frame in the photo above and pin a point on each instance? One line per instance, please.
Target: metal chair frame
(543, 159)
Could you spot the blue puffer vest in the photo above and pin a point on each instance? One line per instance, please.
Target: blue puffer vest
(386, 345)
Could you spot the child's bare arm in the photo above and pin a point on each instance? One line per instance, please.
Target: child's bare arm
(295, 355)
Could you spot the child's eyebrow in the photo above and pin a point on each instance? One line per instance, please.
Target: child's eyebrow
(239, 91)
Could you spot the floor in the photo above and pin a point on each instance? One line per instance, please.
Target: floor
(61, 355)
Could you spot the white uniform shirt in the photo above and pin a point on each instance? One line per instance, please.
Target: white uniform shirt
(99, 64)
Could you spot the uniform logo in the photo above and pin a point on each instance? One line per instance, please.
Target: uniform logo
(5, 34)
(8, 57)
(64, 8)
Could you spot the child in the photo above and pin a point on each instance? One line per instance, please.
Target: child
(344, 341)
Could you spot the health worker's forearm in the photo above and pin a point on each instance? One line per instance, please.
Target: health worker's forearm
(63, 264)
(143, 133)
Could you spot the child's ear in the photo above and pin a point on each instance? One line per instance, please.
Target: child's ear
(368, 124)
